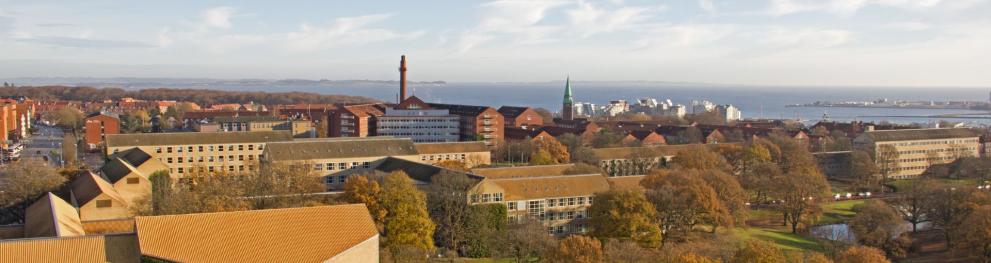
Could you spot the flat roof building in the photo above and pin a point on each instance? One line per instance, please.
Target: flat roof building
(917, 149)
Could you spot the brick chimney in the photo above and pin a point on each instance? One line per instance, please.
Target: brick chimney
(402, 79)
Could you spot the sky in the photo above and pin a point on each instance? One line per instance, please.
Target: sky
(754, 42)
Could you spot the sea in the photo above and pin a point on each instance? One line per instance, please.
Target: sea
(753, 101)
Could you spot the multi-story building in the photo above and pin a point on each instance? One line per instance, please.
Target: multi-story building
(416, 120)
(478, 123)
(918, 149)
(335, 159)
(521, 117)
(97, 126)
(630, 161)
(833, 164)
(206, 151)
(729, 112)
(298, 128)
(354, 120)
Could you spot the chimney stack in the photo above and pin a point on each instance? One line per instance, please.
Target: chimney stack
(402, 79)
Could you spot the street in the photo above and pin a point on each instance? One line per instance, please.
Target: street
(41, 144)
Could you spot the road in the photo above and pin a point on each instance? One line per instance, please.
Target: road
(42, 144)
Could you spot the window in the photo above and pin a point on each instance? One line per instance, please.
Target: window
(571, 201)
(201, 148)
(178, 149)
(158, 149)
(342, 178)
(251, 147)
(330, 166)
(366, 165)
(220, 148)
(168, 149)
(180, 159)
(474, 198)
(581, 200)
(342, 166)
(230, 168)
(169, 160)
(551, 202)
(486, 198)
(190, 159)
(329, 179)
(230, 148)
(210, 168)
(511, 206)
(318, 167)
(179, 169)
(132, 180)
(497, 197)
(240, 157)
(201, 159)
(210, 148)
(103, 203)
(240, 147)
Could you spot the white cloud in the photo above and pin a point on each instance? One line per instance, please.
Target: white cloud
(805, 38)
(849, 7)
(707, 5)
(218, 17)
(589, 19)
(345, 31)
(908, 26)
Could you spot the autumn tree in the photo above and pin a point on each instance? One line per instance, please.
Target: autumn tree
(864, 172)
(557, 151)
(875, 225)
(361, 189)
(625, 251)
(578, 249)
(862, 254)
(700, 157)
(755, 251)
(800, 195)
(624, 215)
(68, 118)
(642, 160)
(280, 186)
(523, 242)
(407, 222)
(950, 205)
(730, 194)
(683, 200)
(913, 201)
(22, 183)
(974, 234)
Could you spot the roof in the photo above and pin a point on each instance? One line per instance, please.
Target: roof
(552, 186)
(185, 138)
(100, 248)
(106, 114)
(417, 171)
(666, 150)
(522, 171)
(451, 147)
(89, 186)
(115, 168)
(109, 226)
(412, 102)
(919, 134)
(365, 110)
(51, 216)
(309, 234)
(238, 118)
(512, 111)
(333, 148)
(626, 182)
(471, 110)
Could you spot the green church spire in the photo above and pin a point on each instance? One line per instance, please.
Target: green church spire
(567, 92)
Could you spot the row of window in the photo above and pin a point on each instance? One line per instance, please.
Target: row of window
(442, 157)
(417, 120)
(341, 166)
(210, 159)
(487, 197)
(910, 160)
(937, 142)
(208, 148)
(957, 149)
(230, 168)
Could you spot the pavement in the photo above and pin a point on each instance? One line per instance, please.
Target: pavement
(42, 143)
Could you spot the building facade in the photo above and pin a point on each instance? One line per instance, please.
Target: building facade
(97, 126)
(478, 123)
(416, 120)
(182, 152)
(913, 151)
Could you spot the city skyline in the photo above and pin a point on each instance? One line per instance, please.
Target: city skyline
(775, 42)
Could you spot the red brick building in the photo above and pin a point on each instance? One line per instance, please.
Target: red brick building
(98, 125)
(521, 117)
(645, 138)
(477, 122)
(354, 120)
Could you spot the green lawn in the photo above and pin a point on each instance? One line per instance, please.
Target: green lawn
(901, 184)
(838, 212)
(839, 187)
(782, 238)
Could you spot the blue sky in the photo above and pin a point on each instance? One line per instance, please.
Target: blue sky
(773, 42)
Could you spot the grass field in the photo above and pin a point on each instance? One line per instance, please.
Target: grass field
(900, 184)
(838, 212)
(781, 238)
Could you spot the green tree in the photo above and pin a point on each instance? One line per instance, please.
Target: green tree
(578, 249)
(68, 118)
(542, 157)
(486, 222)
(755, 251)
(407, 221)
(624, 215)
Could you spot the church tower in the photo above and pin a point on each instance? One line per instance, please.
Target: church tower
(568, 109)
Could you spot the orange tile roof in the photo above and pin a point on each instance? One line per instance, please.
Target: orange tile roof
(110, 226)
(626, 182)
(552, 186)
(522, 171)
(310, 234)
(109, 248)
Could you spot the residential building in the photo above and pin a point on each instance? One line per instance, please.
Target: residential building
(416, 120)
(298, 127)
(616, 107)
(478, 123)
(335, 159)
(96, 199)
(206, 151)
(918, 149)
(521, 117)
(729, 112)
(354, 120)
(629, 161)
(130, 171)
(97, 126)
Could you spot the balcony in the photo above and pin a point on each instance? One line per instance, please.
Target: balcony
(486, 116)
(487, 123)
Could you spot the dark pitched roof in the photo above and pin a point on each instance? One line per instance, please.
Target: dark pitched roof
(260, 118)
(114, 170)
(88, 186)
(108, 114)
(919, 134)
(461, 109)
(184, 138)
(528, 188)
(413, 103)
(418, 171)
(330, 148)
(522, 171)
(512, 111)
(661, 150)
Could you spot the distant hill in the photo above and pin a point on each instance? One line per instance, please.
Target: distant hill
(199, 96)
